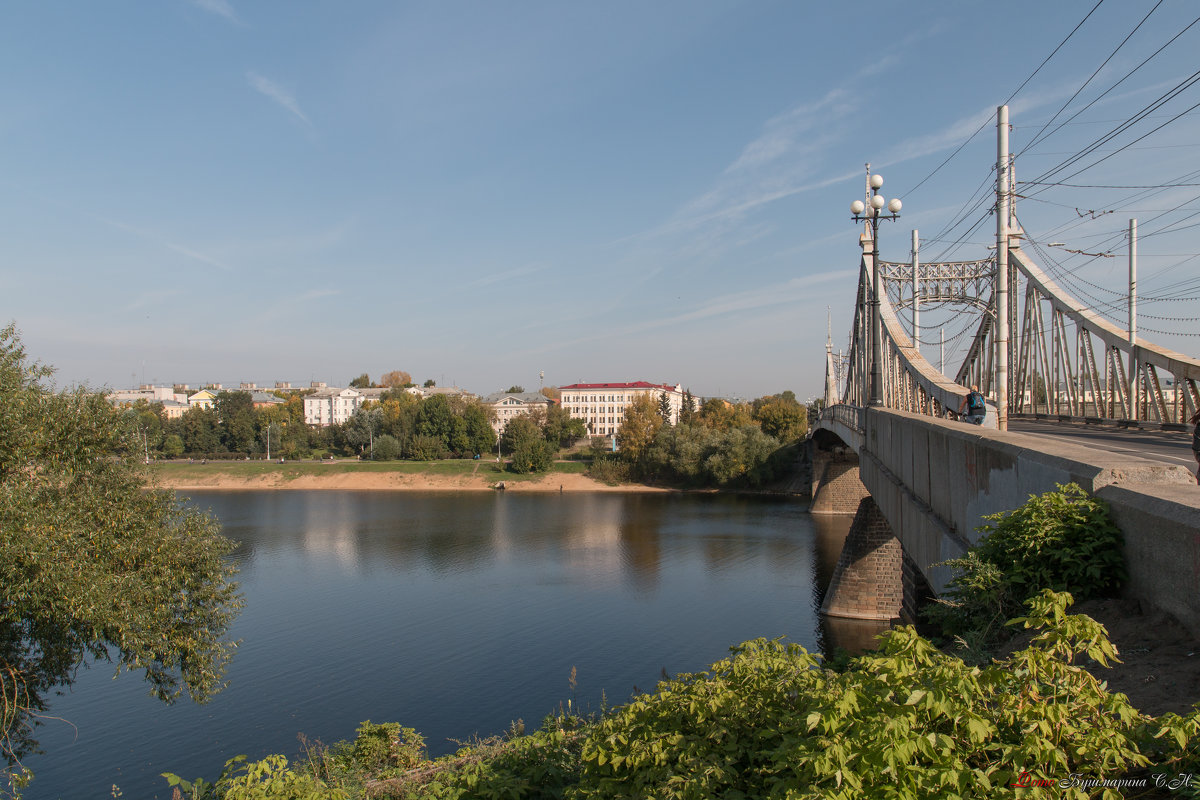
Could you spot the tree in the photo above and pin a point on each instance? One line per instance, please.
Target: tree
(361, 382)
(93, 565)
(200, 431)
(515, 390)
(687, 412)
(664, 407)
(520, 431)
(722, 415)
(781, 417)
(235, 413)
(430, 383)
(481, 437)
(560, 428)
(637, 432)
(396, 379)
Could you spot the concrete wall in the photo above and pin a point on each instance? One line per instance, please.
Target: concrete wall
(935, 480)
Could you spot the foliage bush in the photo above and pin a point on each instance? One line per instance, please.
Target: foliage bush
(388, 448)
(905, 721)
(532, 456)
(1061, 540)
(609, 469)
(426, 448)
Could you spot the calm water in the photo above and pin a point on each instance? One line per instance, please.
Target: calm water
(450, 613)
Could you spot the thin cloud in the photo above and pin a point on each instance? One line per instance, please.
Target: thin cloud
(198, 256)
(151, 236)
(219, 7)
(278, 94)
(519, 272)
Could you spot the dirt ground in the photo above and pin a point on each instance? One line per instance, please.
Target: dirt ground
(398, 481)
(1160, 660)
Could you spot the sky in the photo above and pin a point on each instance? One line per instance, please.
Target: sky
(477, 193)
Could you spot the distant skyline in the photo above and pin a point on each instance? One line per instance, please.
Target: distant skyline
(222, 191)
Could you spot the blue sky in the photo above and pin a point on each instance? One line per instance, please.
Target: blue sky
(475, 192)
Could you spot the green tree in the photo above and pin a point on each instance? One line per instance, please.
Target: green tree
(361, 382)
(363, 427)
(687, 412)
(515, 390)
(481, 437)
(435, 418)
(560, 428)
(664, 407)
(532, 455)
(430, 383)
(172, 446)
(235, 413)
(639, 428)
(200, 432)
(741, 455)
(93, 566)
(520, 431)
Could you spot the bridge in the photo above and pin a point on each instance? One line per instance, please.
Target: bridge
(1062, 386)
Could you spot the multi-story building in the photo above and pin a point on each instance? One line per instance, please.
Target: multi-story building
(331, 406)
(602, 406)
(506, 405)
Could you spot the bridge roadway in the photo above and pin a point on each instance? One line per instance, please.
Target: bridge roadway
(1171, 447)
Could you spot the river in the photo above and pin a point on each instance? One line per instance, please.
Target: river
(452, 613)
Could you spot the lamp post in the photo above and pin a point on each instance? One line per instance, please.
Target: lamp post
(871, 212)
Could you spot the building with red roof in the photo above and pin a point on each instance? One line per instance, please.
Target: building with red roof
(602, 406)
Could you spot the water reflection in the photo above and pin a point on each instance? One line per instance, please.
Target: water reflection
(453, 614)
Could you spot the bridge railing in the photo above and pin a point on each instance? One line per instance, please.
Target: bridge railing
(844, 413)
(1068, 361)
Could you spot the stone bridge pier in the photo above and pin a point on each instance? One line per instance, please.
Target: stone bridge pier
(874, 579)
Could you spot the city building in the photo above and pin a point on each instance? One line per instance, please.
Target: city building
(331, 406)
(506, 405)
(205, 398)
(602, 406)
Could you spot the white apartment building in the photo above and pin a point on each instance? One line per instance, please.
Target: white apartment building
(331, 406)
(602, 406)
(506, 405)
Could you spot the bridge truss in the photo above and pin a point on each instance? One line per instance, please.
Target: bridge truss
(1056, 356)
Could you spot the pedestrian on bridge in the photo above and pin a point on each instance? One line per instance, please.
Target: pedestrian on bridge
(974, 405)
(1196, 442)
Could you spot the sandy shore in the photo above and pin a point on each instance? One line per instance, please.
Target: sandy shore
(396, 481)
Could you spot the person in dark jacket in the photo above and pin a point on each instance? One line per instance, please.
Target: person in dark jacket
(974, 405)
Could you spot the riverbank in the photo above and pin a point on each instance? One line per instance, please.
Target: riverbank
(434, 476)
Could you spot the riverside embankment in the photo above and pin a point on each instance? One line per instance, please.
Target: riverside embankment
(451, 475)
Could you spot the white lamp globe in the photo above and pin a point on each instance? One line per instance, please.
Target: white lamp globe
(877, 202)
(857, 207)
(895, 205)
(876, 181)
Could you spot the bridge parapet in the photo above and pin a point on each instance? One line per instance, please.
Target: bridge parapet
(935, 480)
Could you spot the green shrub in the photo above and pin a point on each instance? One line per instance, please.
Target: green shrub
(906, 721)
(381, 750)
(534, 455)
(268, 779)
(609, 469)
(387, 448)
(1063, 540)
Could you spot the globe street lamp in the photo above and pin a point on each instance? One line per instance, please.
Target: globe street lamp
(871, 212)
